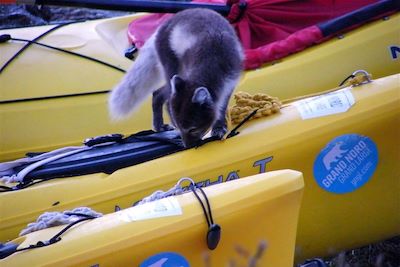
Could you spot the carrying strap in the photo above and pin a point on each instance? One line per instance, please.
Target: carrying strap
(7, 169)
(8, 175)
(29, 170)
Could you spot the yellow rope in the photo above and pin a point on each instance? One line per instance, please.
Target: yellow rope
(246, 103)
(267, 105)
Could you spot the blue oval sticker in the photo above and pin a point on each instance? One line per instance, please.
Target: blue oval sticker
(166, 259)
(346, 163)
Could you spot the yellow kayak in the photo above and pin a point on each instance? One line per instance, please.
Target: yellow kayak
(51, 99)
(335, 140)
(257, 214)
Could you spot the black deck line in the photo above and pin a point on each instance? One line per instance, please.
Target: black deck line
(53, 97)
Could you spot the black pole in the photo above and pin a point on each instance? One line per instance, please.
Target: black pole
(358, 16)
(133, 5)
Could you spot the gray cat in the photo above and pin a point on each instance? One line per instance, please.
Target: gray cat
(198, 52)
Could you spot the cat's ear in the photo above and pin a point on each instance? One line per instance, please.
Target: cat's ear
(202, 96)
(177, 84)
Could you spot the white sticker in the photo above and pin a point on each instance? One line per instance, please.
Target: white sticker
(324, 105)
(156, 209)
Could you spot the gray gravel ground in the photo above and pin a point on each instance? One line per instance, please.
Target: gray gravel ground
(12, 16)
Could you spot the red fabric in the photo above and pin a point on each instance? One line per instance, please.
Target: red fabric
(295, 42)
(266, 21)
(141, 29)
(268, 29)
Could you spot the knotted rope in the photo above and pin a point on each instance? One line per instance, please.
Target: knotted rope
(50, 219)
(173, 191)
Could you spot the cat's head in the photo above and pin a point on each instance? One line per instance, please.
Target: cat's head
(192, 110)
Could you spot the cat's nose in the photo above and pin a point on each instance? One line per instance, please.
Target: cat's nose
(189, 142)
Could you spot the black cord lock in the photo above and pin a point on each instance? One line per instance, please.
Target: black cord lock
(130, 52)
(5, 38)
(213, 236)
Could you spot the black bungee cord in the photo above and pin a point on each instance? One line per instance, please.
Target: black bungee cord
(214, 230)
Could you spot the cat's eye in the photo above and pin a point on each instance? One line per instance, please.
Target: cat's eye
(192, 131)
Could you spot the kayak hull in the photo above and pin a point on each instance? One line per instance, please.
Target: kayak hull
(61, 96)
(330, 221)
(261, 208)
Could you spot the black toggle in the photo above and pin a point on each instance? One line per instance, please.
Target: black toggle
(6, 249)
(131, 51)
(4, 38)
(213, 236)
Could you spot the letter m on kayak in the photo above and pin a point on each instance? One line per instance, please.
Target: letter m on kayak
(394, 51)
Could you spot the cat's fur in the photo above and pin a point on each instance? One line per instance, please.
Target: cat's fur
(198, 53)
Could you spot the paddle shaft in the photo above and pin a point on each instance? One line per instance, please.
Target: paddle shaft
(129, 5)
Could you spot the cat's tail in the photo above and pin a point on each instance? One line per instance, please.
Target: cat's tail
(142, 79)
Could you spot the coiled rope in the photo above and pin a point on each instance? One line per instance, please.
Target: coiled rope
(265, 105)
(246, 104)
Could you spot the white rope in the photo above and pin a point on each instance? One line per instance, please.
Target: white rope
(49, 157)
(50, 219)
(8, 175)
(159, 194)
(7, 168)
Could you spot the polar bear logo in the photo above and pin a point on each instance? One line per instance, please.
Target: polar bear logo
(333, 155)
(159, 263)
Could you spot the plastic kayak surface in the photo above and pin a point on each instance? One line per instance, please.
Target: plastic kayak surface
(260, 208)
(350, 166)
(51, 99)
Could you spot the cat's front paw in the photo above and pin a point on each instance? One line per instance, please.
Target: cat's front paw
(163, 128)
(219, 132)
